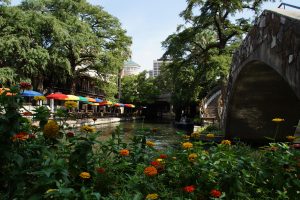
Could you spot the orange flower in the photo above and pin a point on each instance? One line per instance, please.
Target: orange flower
(100, 170)
(85, 175)
(226, 142)
(20, 136)
(150, 171)
(124, 152)
(187, 145)
(163, 156)
(215, 193)
(192, 157)
(189, 188)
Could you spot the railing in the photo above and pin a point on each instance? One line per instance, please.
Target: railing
(289, 5)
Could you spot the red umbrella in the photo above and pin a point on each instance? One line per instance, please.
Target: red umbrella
(57, 95)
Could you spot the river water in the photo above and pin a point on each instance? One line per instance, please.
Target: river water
(164, 134)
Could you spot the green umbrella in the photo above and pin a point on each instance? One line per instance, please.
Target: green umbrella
(83, 99)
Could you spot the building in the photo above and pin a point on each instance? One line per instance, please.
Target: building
(150, 72)
(130, 68)
(156, 66)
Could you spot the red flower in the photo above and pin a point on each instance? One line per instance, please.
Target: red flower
(25, 86)
(70, 134)
(155, 163)
(100, 170)
(32, 136)
(27, 113)
(20, 136)
(189, 188)
(160, 167)
(163, 156)
(215, 193)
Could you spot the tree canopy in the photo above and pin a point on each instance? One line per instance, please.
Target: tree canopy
(62, 39)
(139, 89)
(201, 49)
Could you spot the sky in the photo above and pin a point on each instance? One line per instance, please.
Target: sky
(149, 22)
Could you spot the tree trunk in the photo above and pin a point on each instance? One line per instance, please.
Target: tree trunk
(73, 86)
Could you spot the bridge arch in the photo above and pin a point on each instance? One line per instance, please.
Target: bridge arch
(259, 95)
(264, 81)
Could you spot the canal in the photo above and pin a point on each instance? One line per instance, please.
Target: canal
(164, 134)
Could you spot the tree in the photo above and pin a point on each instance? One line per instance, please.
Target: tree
(202, 49)
(61, 39)
(139, 89)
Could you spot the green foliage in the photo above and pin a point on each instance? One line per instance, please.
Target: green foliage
(41, 114)
(61, 39)
(201, 49)
(7, 75)
(78, 165)
(139, 89)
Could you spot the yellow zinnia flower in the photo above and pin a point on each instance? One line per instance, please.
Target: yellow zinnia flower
(278, 120)
(71, 104)
(87, 129)
(210, 135)
(152, 196)
(290, 138)
(39, 98)
(195, 135)
(85, 175)
(186, 137)
(51, 190)
(150, 143)
(192, 157)
(187, 145)
(51, 129)
(226, 142)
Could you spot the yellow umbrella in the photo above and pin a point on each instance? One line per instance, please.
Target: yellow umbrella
(72, 98)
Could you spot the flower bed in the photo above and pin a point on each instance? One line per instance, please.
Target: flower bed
(48, 162)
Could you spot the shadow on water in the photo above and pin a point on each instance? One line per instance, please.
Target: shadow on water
(163, 133)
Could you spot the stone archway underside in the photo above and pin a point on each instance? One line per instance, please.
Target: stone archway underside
(261, 94)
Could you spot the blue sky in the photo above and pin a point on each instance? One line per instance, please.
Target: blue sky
(149, 22)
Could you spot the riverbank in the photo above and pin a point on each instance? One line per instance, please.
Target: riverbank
(98, 121)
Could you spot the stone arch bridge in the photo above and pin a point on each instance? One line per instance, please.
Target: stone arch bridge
(264, 81)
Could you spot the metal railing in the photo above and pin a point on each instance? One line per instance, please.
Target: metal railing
(289, 5)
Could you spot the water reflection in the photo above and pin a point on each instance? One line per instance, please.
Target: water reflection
(163, 134)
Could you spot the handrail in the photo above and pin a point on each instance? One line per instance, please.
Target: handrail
(286, 4)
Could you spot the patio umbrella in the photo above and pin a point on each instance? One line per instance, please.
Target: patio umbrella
(57, 95)
(72, 98)
(82, 99)
(129, 105)
(98, 100)
(119, 104)
(91, 99)
(30, 93)
(105, 103)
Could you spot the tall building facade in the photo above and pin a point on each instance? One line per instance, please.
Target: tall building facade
(156, 66)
